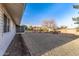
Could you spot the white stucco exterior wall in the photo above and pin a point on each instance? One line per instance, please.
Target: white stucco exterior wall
(5, 38)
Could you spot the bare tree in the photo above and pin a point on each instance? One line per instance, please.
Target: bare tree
(49, 24)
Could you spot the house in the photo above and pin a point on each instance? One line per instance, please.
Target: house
(10, 16)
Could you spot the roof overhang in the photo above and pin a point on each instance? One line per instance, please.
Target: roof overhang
(15, 10)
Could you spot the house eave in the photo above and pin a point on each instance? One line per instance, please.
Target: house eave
(15, 10)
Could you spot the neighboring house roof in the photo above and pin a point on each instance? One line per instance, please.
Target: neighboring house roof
(15, 10)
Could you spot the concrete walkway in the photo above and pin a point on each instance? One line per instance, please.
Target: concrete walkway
(49, 44)
(17, 47)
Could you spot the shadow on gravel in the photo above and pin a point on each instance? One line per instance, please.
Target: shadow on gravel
(17, 47)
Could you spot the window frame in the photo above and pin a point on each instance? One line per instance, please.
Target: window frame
(6, 24)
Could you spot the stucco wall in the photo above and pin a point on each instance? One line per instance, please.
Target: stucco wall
(5, 38)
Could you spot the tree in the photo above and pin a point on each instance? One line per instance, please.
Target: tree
(63, 27)
(30, 28)
(49, 24)
(76, 6)
(76, 20)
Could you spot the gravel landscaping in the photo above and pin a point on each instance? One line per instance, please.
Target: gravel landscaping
(45, 44)
(51, 44)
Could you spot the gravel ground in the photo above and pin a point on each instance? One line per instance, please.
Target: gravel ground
(17, 47)
(50, 44)
(45, 44)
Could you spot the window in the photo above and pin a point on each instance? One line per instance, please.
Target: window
(6, 24)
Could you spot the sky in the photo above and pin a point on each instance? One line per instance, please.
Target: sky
(62, 13)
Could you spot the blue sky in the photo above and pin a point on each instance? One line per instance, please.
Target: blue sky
(62, 13)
